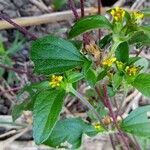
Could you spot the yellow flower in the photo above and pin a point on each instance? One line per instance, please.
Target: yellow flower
(120, 65)
(55, 81)
(98, 127)
(108, 61)
(117, 14)
(132, 70)
(138, 15)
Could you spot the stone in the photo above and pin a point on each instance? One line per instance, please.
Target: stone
(18, 3)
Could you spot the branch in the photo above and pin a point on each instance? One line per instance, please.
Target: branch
(73, 8)
(21, 29)
(46, 18)
(13, 69)
(114, 116)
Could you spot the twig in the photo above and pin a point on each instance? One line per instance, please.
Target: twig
(100, 96)
(11, 139)
(73, 8)
(99, 6)
(8, 96)
(130, 105)
(109, 105)
(82, 8)
(136, 143)
(112, 142)
(40, 5)
(13, 69)
(10, 90)
(137, 4)
(99, 12)
(85, 36)
(21, 29)
(9, 133)
(46, 18)
(128, 98)
(119, 3)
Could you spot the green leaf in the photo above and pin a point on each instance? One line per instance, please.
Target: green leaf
(78, 44)
(89, 23)
(142, 84)
(101, 75)
(55, 55)
(90, 77)
(74, 77)
(105, 41)
(58, 4)
(47, 107)
(2, 49)
(70, 130)
(101, 109)
(19, 108)
(143, 63)
(86, 67)
(132, 60)
(138, 122)
(111, 91)
(146, 12)
(140, 37)
(122, 52)
(117, 80)
(145, 28)
(28, 103)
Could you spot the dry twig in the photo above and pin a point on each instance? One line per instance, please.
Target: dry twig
(44, 19)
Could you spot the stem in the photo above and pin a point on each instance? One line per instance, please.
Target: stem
(112, 142)
(13, 69)
(73, 8)
(100, 96)
(21, 29)
(136, 143)
(85, 102)
(99, 6)
(99, 12)
(85, 39)
(109, 105)
(114, 116)
(82, 8)
(11, 90)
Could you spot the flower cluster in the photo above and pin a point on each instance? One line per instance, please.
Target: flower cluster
(132, 70)
(138, 15)
(120, 65)
(117, 13)
(108, 62)
(55, 81)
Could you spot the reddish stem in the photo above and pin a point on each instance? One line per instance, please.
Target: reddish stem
(100, 96)
(114, 117)
(99, 6)
(99, 12)
(82, 8)
(73, 8)
(109, 105)
(21, 29)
